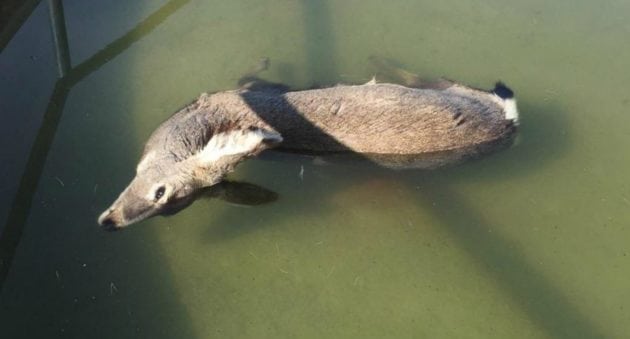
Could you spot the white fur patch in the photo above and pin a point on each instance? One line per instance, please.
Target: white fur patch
(236, 142)
(511, 112)
(509, 108)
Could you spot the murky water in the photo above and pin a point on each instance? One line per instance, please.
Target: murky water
(532, 242)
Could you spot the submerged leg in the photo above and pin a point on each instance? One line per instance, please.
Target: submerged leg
(250, 81)
(240, 193)
(388, 69)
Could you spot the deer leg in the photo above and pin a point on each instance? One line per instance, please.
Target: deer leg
(389, 70)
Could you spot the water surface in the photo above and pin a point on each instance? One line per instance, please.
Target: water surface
(532, 242)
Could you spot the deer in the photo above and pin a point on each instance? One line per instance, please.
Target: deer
(420, 124)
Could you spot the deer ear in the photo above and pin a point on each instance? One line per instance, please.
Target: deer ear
(241, 143)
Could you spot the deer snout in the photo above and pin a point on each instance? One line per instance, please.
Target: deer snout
(110, 220)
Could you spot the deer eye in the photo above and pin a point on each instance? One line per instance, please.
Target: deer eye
(159, 193)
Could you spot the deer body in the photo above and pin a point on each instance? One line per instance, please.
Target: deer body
(392, 125)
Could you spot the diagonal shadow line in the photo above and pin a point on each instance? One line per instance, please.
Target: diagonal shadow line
(20, 208)
(320, 52)
(554, 312)
(319, 38)
(542, 301)
(259, 103)
(119, 45)
(16, 14)
(538, 297)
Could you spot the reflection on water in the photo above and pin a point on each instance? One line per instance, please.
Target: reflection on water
(530, 242)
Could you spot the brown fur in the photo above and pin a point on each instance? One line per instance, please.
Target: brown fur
(378, 119)
(390, 125)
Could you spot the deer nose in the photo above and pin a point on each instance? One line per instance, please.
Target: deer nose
(108, 221)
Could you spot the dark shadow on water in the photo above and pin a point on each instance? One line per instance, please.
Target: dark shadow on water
(13, 14)
(21, 206)
(44, 294)
(233, 192)
(542, 300)
(544, 139)
(242, 193)
(319, 40)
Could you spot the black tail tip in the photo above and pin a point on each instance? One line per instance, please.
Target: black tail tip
(503, 91)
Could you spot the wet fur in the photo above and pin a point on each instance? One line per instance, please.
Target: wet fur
(425, 126)
(414, 127)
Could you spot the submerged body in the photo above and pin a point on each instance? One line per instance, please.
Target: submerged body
(377, 120)
(388, 124)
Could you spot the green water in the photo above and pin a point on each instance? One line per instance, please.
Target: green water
(532, 242)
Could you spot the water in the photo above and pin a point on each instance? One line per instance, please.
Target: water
(532, 242)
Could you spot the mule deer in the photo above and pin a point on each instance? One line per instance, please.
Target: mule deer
(426, 125)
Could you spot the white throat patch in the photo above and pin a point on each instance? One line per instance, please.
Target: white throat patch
(237, 142)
